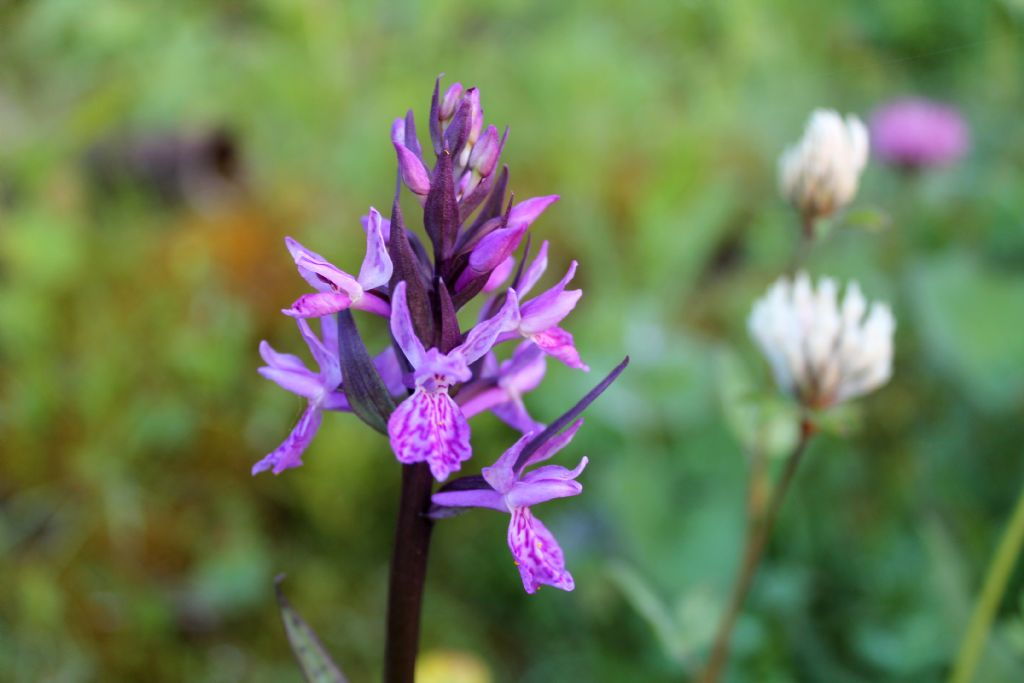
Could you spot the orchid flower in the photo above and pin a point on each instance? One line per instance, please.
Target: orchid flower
(507, 488)
(429, 426)
(540, 316)
(321, 389)
(502, 388)
(336, 289)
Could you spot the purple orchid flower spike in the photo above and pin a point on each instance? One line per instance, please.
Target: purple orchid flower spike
(429, 426)
(422, 270)
(336, 289)
(320, 389)
(502, 388)
(510, 489)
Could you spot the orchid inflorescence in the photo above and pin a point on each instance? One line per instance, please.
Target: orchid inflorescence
(423, 389)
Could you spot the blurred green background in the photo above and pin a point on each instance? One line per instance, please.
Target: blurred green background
(154, 154)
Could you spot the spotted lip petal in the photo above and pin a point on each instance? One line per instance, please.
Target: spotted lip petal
(429, 427)
(538, 556)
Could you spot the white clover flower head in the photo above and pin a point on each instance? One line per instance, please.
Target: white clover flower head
(819, 174)
(823, 351)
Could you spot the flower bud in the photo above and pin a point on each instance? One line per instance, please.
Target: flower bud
(414, 173)
(450, 102)
(476, 115)
(484, 156)
(819, 175)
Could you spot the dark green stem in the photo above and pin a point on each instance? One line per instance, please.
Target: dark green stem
(408, 574)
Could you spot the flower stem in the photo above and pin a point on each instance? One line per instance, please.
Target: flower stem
(758, 535)
(991, 595)
(408, 574)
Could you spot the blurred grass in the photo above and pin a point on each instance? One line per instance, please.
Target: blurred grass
(135, 544)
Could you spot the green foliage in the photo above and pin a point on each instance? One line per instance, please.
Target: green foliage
(137, 547)
(317, 665)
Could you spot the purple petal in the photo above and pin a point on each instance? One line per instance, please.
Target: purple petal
(289, 453)
(513, 413)
(326, 358)
(528, 211)
(402, 329)
(501, 475)
(496, 247)
(281, 361)
(524, 370)
(553, 473)
(525, 495)
(551, 307)
(450, 100)
(554, 444)
(473, 498)
(481, 400)
(500, 274)
(329, 334)
(304, 383)
(482, 337)
(318, 305)
(376, 269)
(534, 271)
(336, 400)
(322, 275)
(429, 427)
(390, 371)
(476, 114)
(385, 226)
(558, 343)
(371, 303)
(451, 367)
(539, 557)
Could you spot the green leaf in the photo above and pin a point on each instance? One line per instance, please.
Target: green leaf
(649, 606)
(317, 665)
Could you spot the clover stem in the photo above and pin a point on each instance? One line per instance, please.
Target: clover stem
(758, 535)
(987, 604)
